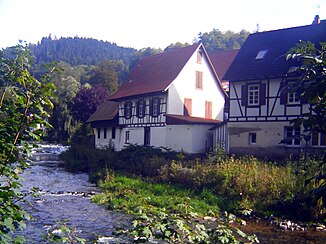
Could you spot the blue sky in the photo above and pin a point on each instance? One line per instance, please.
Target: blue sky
(147, 23)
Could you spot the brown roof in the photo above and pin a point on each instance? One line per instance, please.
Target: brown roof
(273, 46)
(106, 111)
(155, 73)
(172, 119)
(222, 61)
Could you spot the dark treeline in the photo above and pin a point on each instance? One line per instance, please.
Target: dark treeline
(79, 51)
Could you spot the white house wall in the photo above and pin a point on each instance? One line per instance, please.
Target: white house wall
(104, 142)
(184, 87)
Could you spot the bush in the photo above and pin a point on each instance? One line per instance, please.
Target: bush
(243, 183)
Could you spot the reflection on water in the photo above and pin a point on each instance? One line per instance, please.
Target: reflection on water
(65, 196)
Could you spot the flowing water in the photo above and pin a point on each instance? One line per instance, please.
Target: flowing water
(64, 196)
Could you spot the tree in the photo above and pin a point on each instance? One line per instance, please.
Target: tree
(67, 82)
(87, 101)
(108, 74)
(216, 40)
(311, 86)
(24, 104)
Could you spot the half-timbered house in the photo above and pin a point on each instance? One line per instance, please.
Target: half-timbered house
(259, 112)
(170, 100)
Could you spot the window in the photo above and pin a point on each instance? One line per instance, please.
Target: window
(261, 54)
(141, 108)
(155, 107)
(105, 130)
(187, 108)
(208, 109)
(128, 110)
(199, 80)
(199, 57)
(253, 95)
(147, 136)
(292, 136)
(98, 133)
(127, 139)
(293, 98)
(318, 139)
(252, 138)
(113, 132)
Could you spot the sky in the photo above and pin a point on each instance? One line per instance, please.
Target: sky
(147, 23)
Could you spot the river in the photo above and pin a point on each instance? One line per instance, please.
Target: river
(64, 196)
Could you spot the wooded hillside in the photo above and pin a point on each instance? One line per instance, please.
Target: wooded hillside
(79, 51)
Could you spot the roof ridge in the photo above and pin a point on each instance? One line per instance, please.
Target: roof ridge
(288, 28)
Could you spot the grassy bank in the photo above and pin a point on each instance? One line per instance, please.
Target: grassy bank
(204, 185)
(167, 212)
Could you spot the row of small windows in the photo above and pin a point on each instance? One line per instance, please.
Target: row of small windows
(292, 136)
(105, 133)
(154, 108)
(255, 95)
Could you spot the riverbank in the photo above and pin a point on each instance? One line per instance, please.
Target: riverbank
(237, 185)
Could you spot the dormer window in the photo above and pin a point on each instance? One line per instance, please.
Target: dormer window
(261, 54)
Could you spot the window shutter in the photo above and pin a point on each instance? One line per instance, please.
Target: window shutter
(244, 95)
(137, 109)
(304, 100)
(208, 110)
(283, 93)
(262, 94)
(151, 107)
(187, 110)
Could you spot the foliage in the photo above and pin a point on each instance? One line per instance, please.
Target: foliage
(216, 40)
(24, 108)
(165, 212)
(79, 51)
(176, 45)
(311, 86)
(108, 74)
(87, 101)
(61, 233)
(67, 81)
(242, 183)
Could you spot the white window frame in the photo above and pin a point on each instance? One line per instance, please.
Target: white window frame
(319, 139)
(155, 107)
(127, 139)
(128, 110)
(292, 131)
(253, 94)
(293, 98)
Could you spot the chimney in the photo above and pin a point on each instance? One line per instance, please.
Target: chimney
(316, 20)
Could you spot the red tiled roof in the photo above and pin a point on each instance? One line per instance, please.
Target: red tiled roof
(222, 61)
(172, 119)
(155, 73)
(106, 111)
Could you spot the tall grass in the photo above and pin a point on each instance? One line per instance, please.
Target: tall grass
(228, 182)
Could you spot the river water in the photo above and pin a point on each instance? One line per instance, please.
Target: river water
(64, 196)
